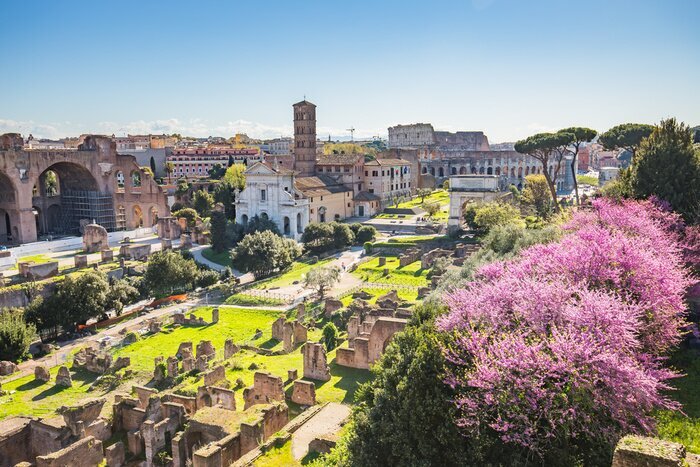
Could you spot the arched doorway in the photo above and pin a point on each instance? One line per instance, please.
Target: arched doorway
(442, 172)
(489, 171)
(9, 211)
(154, 216)
(463, 170)
(454, 171)
(300, 229)
(244, 219)
(138, 216)
(287, 227)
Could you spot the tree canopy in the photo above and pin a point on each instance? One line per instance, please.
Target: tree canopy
(263, 253)
(626, 136)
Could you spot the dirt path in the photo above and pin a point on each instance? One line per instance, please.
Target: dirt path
(327, 421)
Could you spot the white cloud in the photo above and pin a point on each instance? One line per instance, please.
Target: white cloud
(194, 127)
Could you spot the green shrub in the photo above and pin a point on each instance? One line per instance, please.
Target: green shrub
(330, 336)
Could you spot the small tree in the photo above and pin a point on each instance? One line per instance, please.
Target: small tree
(321, 279)
(365, 234)
(318, 237)
(536, 194)
(262, 253)
(422, 193)
(120, 293)
(581, 135)
(217, 172)
(330, 336)
(626, 136)
(259, 224)
(235, 176)
(431, 209)
(668, 166)
(15, 335)
(203, 202)
(342, 235)
(217, 230)
(189, 214)
(490, 215)
(169, 168)
(548, 149)
(169, 271)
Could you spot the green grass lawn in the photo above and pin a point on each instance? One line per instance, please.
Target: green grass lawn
(253, 300)
(676, 426)
(587, 180)
(411, 274)
(35, 398)
(27, 397)
(437, 196)
(223, 258)
(40, 258)
(406, 295)
(295, 273)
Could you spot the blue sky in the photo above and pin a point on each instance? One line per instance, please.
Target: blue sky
(507, 67)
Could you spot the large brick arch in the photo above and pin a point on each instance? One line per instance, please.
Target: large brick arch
(92, 167)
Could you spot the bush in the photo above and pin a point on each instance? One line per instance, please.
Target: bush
(207, 277)
(490, 215)
(189, 214)
(329, 336)
(368, 247)
(263, 253)
(15, 335)
(365, 234)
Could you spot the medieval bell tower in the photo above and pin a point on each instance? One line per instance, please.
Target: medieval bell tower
(305, 138)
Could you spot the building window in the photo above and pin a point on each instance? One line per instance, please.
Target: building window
(371, 190)
(263, 195)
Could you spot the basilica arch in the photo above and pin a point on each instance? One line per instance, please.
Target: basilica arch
(50, 192)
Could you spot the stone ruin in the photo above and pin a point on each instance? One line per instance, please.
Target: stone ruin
(634, 451)
(41, 373)
(180, 319)
(304, 393)
(410, 256)
(135, 252)
(290, 333)
(266, 388)
(168, 228)
(214, 376)
(153, 326)
(63, 377)
(80, 261)
(330, 306)
(213, 396)
(7, 368)
(315, 362)
(35, 271)
(230, 349)
(107, 256)
(93, 361)
(206, 349)
(367, 340)
(95, 238)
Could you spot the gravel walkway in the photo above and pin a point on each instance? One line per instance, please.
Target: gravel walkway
(327, 421)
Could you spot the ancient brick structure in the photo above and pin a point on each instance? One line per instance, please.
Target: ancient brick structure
(91, 360)
(265, 389)
(95, 238)
(216, 375)
(291, 333)
(212, 396)
(315, 364)
(230, 349)
(304, 393)
(367, 340)
(94, 183)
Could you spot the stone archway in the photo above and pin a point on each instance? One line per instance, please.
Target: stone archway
(153, 216)
(138, 216)
(9, 211)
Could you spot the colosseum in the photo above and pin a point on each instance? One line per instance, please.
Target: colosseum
(49, 193)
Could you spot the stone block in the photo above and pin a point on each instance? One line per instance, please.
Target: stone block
(331, 305)
(315, 362)
(304, 393)
(107, 255)
(115, 454)
(41, 373)
(80, 261)
(633, 451)
(63, 377)
(230, 348)
(292, 374)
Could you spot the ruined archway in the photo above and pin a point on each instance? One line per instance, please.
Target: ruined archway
(66, 194)
(9, 211)
(138, 216)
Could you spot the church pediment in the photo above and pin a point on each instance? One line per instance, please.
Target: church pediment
(259, 169)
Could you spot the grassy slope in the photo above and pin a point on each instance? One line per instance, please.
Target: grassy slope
(411, 274)
(223, 258)
(30, 398)
(295, 272)
(676, 426)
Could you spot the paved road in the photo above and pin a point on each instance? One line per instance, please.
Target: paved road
(327, 421)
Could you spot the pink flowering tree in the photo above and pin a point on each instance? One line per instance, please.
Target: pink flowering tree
(558, 353)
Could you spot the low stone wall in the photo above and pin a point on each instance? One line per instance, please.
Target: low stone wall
(635, 451)
(87, 451)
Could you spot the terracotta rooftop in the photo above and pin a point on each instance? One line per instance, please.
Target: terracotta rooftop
(319, 185)
(338, 159)
(366, 196)
(387, 162)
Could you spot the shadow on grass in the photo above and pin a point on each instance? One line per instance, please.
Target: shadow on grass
(29, 385)
(310, 457)
(350, 380)
(52, 391)
(269, 344)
